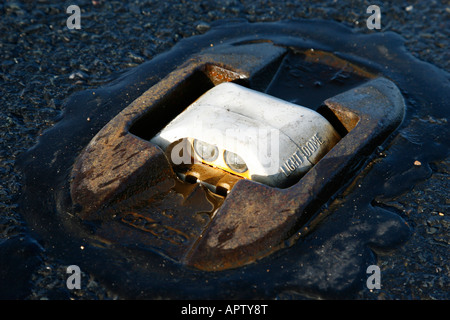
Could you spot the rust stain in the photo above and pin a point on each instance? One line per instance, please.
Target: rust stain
(327, 58)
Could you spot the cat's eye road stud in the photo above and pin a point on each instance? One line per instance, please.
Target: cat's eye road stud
(249, 134)
(236, 202)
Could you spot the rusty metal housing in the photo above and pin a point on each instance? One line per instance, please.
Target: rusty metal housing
(128, 184)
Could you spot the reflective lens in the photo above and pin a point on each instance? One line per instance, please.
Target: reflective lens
(235, 162)
(206, 151)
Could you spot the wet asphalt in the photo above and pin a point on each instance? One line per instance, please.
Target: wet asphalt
(43, 63)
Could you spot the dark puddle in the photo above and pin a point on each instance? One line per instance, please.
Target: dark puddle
(20, 256)
(330, 257)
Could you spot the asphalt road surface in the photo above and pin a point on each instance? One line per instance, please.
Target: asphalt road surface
(43, 63)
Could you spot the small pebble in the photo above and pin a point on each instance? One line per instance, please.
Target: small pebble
(202, 26)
